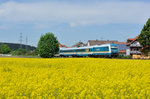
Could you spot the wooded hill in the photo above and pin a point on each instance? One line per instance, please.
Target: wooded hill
(15, 46)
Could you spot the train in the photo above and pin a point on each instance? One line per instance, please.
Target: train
(104, 50)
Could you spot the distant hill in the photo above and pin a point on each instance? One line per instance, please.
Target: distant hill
(15, 46)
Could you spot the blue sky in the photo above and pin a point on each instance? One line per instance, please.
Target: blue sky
(72, 20)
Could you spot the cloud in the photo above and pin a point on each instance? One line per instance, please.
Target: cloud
(74, 14)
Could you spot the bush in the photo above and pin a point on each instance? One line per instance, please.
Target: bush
(19, 52)
(32, 53)
(124, 57)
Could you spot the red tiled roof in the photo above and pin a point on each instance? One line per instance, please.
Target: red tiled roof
(133, 40)
(60, 45)
(122, 51)
(130, 39)
(119, 42)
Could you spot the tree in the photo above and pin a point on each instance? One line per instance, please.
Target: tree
(48, 45)
(20, 51)
(144, 37)
(4, 49)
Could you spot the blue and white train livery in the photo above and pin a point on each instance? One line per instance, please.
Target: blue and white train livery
(97, 50)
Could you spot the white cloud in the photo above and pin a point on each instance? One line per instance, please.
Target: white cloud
(75, 14)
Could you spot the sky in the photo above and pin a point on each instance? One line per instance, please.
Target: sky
(72, 21)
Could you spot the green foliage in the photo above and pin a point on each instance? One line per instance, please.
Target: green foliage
(4, 49)
(19, 52)
(31, 53)
(124, 57)
(23, 52)
(145, 51)
(48, 45)
(35, 52)
(144, 37)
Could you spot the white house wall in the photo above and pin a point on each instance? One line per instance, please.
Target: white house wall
(128, 50)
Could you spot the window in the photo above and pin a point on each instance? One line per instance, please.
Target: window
(80, 50)
(90, 50)
(65, 51)
(135, 49)
(101, 49)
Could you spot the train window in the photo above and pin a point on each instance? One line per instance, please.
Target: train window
(97, 49)
(90, 50)
(65, 51)
(80, 50)
(101, 49)
(105, 49)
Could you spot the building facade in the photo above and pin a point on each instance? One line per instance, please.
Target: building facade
(133, 48)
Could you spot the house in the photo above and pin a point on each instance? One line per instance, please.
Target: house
(133, 47)
(79, 44)
(121, 45)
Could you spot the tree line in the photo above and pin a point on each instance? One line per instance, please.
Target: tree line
(5, 49)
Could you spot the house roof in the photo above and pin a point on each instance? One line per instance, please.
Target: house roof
(60, 45)
(130, 39)
(99, 42)
(120, 43)
(79, 44)
(133, 39)
(120, 51)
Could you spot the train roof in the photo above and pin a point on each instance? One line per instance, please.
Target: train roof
(88, 47)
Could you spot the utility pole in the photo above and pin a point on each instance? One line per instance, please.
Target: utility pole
(26, 43)
(20, 39)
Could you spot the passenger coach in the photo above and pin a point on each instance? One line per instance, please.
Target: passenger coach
(106, 50)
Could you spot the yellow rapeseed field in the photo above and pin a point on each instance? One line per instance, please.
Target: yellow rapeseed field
(74, 78)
